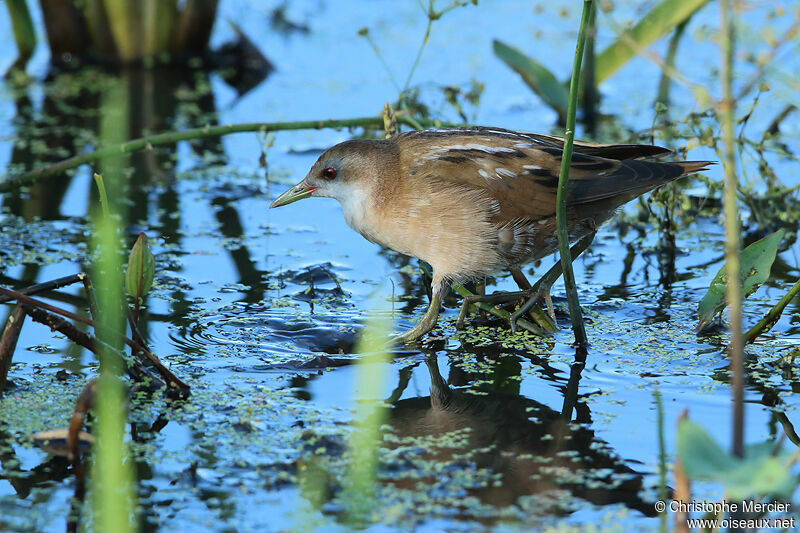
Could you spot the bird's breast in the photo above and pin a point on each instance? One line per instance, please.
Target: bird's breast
(451, 228)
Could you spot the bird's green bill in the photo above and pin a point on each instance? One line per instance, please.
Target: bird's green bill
(298, 192)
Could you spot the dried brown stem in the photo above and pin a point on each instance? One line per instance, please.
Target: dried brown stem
(33, 302)
(47, 286)
(82, 405)
(56, 323)
(683, 490)
(8, 343)
(170, 378)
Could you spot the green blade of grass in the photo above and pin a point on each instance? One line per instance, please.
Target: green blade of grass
(536, 76)
(159, 22)
(101, 192)
(125, 19)
(364, 444)
(112, 478)
(659, 21)
(24, 34)
(10, 183)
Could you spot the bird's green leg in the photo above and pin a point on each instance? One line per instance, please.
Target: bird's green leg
(427, 322)
(541, 289)
(520, 279)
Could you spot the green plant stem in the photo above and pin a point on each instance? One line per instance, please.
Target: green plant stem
(662, 459)
(772, 316)
(432, 15)
(24, 34)
(563, 181)
(665, 82)
(365, 33)
(101, 192)
(732, 229)
(589, 93)
(359, 486)
(161, 139)
(113, 487)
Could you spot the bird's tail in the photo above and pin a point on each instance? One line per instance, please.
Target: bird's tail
(690, 167)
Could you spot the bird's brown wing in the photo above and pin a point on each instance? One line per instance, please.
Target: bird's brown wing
(608, 151)
(618, 152)
(520, 171)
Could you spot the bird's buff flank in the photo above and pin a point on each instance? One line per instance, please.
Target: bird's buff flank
(475, 201)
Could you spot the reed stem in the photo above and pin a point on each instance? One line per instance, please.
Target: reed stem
(732, 229)
(563, 181)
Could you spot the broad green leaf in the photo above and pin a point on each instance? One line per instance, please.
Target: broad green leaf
(700, 455)
(536, 76)
(763, 471)
(759, 450)
(758, 478)
(659, 21)
(755, 263)
(141, 268)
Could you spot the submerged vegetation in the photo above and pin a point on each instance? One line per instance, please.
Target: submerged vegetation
(481, 448)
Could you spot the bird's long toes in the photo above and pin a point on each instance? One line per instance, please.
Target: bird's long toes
(462, 313)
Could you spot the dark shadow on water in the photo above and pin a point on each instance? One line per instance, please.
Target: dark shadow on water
(534, 448)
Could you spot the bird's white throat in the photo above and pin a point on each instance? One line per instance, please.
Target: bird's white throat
(356, 207)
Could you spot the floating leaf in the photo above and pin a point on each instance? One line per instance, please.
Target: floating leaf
(755, 263)
(537, 77)
(141, 268)
(660, 20)
(54, 441)
(763, 471)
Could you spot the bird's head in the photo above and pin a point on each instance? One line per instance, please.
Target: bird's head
(340, 172)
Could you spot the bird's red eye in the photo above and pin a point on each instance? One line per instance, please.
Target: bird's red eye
(329, 173)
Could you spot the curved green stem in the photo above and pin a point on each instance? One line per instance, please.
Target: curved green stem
(161, 139)
(772, 316)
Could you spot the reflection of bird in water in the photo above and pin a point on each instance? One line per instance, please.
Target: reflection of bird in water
(533, 448)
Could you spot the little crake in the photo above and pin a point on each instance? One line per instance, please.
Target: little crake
(475, 201)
